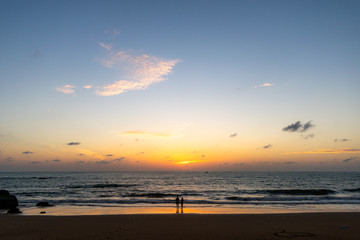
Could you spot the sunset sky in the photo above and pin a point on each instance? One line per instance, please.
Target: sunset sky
(180, 85)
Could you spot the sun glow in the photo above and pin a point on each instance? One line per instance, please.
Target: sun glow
(187, 162)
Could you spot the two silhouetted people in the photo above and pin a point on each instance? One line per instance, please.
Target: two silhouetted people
(178, 201)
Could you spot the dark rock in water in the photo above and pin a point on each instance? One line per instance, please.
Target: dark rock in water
(7, 201)
(44, 204)
(14, 211)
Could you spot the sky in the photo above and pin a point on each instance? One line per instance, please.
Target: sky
(179, 85)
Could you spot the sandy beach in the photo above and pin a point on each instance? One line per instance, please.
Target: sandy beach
(183, 226)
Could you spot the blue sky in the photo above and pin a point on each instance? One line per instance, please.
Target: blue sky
(158, 83)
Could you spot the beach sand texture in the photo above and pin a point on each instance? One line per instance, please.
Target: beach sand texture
(183, 226)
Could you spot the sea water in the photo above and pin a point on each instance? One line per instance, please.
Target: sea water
(297, 190)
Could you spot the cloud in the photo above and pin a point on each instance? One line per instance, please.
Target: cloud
(35, 162)
(103, 162)
(298, 127)
(106, 46)
(73, 143)
(143, 71)
(56, 160)
(87, 86)
(79, 162)
(82, 154)
(289, 162)
(350, 159)
(233, 135)
(309, 136)
(109, 155)
(114, 32)
(27, 152)
(66, 89)
(119, 159)
(267, 146)
(148, 134)
(342, 140)
(343, 150)
(264, 85)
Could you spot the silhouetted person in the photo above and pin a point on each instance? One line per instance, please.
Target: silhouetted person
(182, 203)
(177, 204)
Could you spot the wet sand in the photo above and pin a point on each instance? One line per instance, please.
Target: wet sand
(183, 226)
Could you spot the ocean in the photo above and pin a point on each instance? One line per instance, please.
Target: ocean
(299, 190)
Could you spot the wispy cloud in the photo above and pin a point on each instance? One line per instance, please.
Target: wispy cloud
(143, 71)
(289, 162)
(87, 86)
(267, 146)
(308, 136)
(73, 143)
(27, 152)
(320, 151)
(114, 32)
(119, 159)
(103, 162)
(298, 127)
(350, 159)
(56, 160)
(264, 85)
(66, 89)
(342, 140)
(106, 46)
(233, 135)
(148, 134)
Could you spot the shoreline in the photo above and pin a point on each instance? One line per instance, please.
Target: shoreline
(71, 210)
(319, 226)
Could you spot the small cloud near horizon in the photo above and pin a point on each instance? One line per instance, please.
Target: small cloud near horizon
(289, 162)
(298, 127)
(342, 140)
(148, 134)
(27, 152)
(233, 135)
(73, 143)
(66, 89)
(309, 136)
(103, 162)
(119, 159)
(324, 151)
(267, 146)
(265, 85)
(349, 159)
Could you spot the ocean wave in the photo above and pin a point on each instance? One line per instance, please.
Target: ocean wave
(352, 190)
(150, 195)
(104, 185)
(301, 191)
